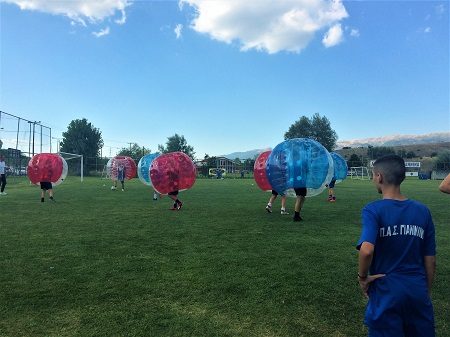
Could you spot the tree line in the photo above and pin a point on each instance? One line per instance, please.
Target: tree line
(82, 137)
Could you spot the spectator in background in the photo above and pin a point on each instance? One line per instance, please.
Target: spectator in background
(2, 175)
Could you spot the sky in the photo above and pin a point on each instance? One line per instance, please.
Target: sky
(227, 75)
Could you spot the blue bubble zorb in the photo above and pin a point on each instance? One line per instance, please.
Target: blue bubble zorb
(297, 163)
(144, 167)
(340, 167)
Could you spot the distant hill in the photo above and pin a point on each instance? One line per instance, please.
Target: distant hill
(420, 150)
(397, 140)
(423, 145)
(251, 154)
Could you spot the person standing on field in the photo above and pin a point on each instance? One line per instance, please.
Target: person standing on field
(2, 175)
(397, 258)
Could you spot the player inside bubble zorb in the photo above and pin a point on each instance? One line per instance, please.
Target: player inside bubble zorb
(340, 167)
(47, 167)
(299, 163)
(143, 168)
(121, 168)
(259, 171)
(173, 171)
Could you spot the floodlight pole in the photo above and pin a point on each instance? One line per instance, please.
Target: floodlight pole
(34, 127)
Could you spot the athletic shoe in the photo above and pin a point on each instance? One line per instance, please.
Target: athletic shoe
(269, 209)
(52, 199)
(123, 190)
(180, 204)
(283, 212)
(4, 193)
(299, 218)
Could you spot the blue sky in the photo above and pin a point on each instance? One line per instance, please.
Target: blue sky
(228, 75)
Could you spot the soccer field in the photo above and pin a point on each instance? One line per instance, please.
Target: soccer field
(109, 263)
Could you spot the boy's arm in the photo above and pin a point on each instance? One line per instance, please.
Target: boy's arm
(430, 268)
(364, 261)
(445, 185)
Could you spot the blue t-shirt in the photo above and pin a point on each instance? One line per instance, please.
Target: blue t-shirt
(402, 233)
(121, 174)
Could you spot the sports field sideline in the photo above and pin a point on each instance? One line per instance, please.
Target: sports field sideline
(109, 263)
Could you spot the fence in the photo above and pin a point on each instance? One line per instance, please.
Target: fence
(22, 137)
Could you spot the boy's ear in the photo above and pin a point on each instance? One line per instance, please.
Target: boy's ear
(378, 177)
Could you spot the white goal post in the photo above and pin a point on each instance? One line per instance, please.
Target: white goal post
(69, 156)
(359, 172)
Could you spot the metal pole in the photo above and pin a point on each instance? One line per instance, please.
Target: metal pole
(82, 168)
(29, 142)
(17, 164)
(17, 136)
(50, 140)
(34, 125)
(41, 138)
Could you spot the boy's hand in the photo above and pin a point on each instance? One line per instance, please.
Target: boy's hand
(365, 282)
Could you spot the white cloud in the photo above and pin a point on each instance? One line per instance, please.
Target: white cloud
(78, 11)
(354, 32)
(333, 37)
(439, 9)
(123, 19)
(268, 25)
(101, 33)
(178, 29)
(427, 30)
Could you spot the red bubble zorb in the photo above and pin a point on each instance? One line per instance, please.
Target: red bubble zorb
(124, 163)
(47, 167)
(172, 172)
(259, 171)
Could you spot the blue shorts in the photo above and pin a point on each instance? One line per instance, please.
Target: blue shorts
(399, 305)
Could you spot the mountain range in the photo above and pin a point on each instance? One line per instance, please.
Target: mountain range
(393, 140)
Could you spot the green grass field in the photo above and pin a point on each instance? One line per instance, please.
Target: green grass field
(110, 263)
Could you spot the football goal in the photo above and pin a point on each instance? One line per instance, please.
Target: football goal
(359, 172)
(74, 163)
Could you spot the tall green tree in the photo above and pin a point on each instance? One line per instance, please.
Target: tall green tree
(317, 128)
(82, 138)
(177, 143)
(134, 151)
(442, 161)
(380, 151)
(354, 161)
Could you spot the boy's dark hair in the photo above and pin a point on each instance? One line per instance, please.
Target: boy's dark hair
(392, 167)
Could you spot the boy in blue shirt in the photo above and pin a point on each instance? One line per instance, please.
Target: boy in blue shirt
(397, 260)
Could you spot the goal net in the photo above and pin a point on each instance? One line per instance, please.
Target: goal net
(359, 172)
(74, 164)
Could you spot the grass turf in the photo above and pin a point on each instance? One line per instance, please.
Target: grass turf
(109, 263)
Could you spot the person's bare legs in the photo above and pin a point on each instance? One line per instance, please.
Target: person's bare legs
(283, 205)
(271, 201)
(298, 207)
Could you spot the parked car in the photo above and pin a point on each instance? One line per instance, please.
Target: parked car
(20, 171)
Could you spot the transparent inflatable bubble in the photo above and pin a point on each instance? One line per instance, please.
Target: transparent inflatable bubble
(299, 162)
(143, 168)
(124, 162)
(340, 167)
(259, 171)
(171, 172)
(47, 167)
